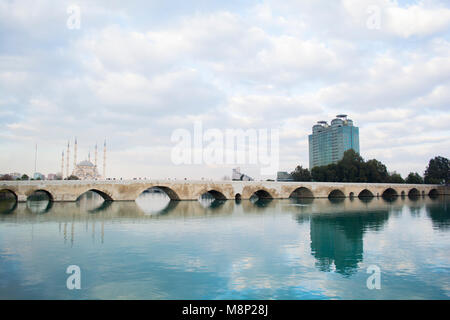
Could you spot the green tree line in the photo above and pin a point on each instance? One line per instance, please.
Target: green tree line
(353, 168)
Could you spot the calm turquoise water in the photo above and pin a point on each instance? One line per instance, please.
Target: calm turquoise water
(281, 249)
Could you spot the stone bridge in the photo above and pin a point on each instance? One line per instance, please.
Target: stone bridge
(129, 190)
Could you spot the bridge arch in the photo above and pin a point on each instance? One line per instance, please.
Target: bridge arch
(38, 192)
(8, 201)
(262, 194)
(9, 194)
(168, 191)
(366, 194)
(39, 201)
(301, 192)
(413, 193)
(106, 196)
(215, 194)
(433, 193)
(390, 192)
(237, 197)
(336, 193)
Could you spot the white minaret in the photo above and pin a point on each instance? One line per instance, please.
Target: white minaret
(68, 158)
(95, 156)
(104, 160)
(75, 147)
(35, 160)
(62, 166)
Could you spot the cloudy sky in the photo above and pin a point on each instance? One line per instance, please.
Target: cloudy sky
(135, 71)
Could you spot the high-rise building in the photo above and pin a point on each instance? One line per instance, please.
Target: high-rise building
(327, 143)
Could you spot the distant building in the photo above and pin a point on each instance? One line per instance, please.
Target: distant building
(327, 143)
(52, 176)
(86, 170)
(236, 175)
(284, 176)
(38, 176)
(15, 175)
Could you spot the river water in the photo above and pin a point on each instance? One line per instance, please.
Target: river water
(155, 248)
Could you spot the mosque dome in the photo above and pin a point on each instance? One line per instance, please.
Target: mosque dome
(86, 163)
(86, 170)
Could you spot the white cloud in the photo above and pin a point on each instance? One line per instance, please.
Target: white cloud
(416, 20)
(269, 65)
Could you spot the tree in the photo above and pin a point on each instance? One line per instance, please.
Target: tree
(395, 177)
(376, 171)
(414, 178)
(25, 177)
(351, 167)
(72, 177)
(438, 171)
(6, 177)
(331, 173)
(319, 173)
(301, 174)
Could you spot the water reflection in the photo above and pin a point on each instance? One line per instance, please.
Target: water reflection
(39, 206)
(415, 210)
(390, 198)
(366, 199)
(104, 206)
(208, 200)
(158, 204)
(92, 202)
(8, 206)
(439, 212)
(39, 202)
(261, 202)
(8, 202)
(155, 201)
(337, 240)
(336, 200)
(336, 226)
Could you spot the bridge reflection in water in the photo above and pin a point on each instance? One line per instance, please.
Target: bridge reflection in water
(336, 226)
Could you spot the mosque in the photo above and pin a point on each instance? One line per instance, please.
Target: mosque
(84, 170)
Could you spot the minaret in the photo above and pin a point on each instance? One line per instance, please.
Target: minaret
(35, 160)
(104, 160)
(89, 156)
(75, 147)
(95, 156)
(62, 166)
(68, 157)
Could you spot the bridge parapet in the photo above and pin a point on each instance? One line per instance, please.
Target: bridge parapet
(129, 190)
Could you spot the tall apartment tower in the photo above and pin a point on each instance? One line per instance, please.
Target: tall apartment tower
(327, 143)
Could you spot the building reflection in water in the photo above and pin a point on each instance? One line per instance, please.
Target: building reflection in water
(337, 240)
